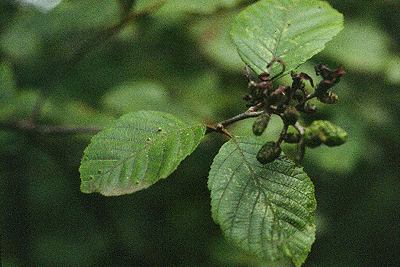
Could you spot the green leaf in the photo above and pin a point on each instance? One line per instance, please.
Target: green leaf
(136, 151)
(265, 209)
(290, 30)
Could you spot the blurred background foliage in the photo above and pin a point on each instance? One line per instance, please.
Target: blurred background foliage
(84, 63)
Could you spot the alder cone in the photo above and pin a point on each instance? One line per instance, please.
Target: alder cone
(268, 153)
(260, 124)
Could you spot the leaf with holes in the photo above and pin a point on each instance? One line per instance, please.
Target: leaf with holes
(290, 30)
(136, 151)
(265, 209)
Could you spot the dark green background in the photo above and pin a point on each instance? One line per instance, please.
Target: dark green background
(179, 59)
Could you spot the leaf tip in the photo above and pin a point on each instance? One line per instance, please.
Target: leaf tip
(87, 184)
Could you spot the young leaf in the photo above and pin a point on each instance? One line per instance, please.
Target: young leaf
(265, 209)
(136, 151)
(290, 30)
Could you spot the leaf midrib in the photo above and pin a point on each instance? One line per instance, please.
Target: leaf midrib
(268, 201)
(161, 139)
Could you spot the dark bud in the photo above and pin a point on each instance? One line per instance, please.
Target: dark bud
(329, 98)
(290, 115)
(323, 87)
(292, 138)
(330, 78)
(261, 123)
(276, 96)
(268, 153)
(305, 76)
(297, 82)
(328, 74)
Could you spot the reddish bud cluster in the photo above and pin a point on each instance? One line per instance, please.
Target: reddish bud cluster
(287, 102)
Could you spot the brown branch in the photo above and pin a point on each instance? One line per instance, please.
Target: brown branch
(220, 126)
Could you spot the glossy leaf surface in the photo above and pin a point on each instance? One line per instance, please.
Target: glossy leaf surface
(136, 151)
(290, 30)
(265, 209)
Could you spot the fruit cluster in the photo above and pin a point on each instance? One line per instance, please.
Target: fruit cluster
(288, 102)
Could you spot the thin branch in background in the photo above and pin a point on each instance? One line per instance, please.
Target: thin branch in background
(89, 46)
(67, 130)
(31, 127)
(35, 114)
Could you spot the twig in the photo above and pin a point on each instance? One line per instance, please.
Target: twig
(299, 128)
(301, 146)
(108, 33)
(220, 126)
(38, 106)
(283, 134)
(32, 127)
